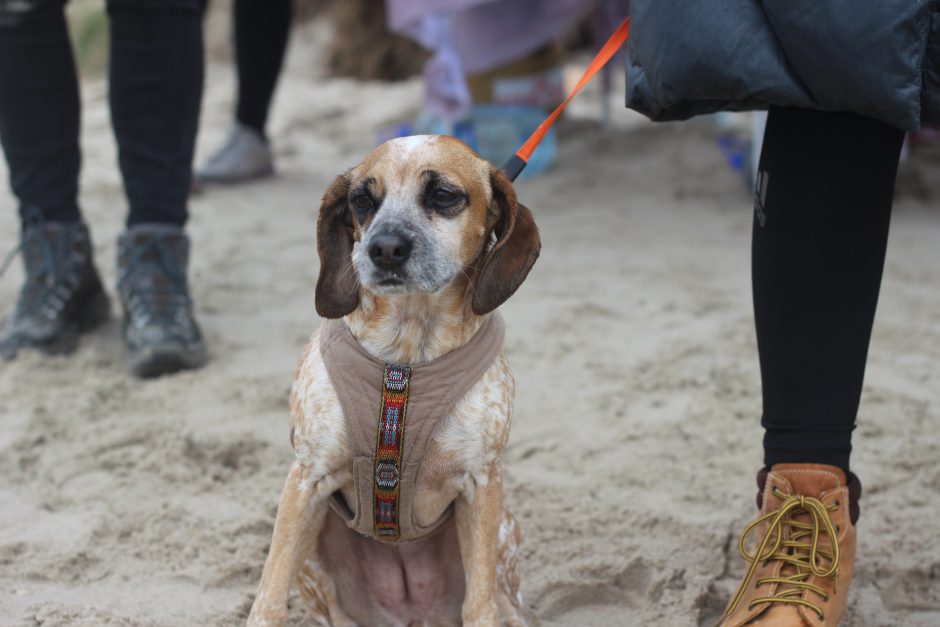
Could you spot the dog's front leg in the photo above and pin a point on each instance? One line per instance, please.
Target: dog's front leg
(478, 511)
(300, 516)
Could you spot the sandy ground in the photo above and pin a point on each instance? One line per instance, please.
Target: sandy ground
(636, 436)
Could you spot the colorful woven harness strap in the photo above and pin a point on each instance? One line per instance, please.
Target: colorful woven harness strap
(519, 160)
(388, 450)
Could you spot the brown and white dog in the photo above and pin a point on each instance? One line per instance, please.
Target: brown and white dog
(418, 244)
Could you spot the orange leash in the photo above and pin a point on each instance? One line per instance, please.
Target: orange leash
(519, 160)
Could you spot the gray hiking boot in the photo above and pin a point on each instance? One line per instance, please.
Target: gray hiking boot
(62, 294)
(244, 156)
(160, 332)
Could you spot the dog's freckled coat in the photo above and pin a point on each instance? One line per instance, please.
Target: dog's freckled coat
(465, 261)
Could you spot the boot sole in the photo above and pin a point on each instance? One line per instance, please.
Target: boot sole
(151, 362)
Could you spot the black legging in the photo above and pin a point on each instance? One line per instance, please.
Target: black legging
(822, 208)
(261, 31)
(155, 76)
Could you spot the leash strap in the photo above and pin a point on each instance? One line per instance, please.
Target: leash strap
(519, 160)
(388, 450)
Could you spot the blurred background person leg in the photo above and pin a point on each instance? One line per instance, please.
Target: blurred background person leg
(39, 129)
(156, 78)
(262, 28)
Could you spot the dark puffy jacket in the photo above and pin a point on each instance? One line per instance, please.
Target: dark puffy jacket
(879, 58)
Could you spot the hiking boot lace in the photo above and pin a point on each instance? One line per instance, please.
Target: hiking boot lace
(796, 542)
(165, 299)
(50, 277)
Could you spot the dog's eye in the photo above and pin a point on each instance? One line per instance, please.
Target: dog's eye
(443, 197)
(364, 202)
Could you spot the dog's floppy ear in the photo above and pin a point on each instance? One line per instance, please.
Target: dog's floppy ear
(506, 264)
(338, 285)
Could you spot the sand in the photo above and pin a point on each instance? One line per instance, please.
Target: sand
(636, 436)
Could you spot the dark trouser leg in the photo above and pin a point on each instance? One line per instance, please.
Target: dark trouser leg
(823, 206)
(40, 110)
(156, 77)
(261, 31)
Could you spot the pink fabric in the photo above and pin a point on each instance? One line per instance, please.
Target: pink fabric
(471, 36)
(493, 33)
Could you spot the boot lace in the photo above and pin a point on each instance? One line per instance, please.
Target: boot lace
(793, 536)
(164, 299)
(49, 275)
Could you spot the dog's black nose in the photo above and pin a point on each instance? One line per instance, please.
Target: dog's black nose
(389, 250)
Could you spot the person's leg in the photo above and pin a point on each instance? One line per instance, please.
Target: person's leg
(61, 295)
(156, 74)
(261, 32)
(262, 28)
(822, 207)
(824, 194)
(39, 110)
(156, 77)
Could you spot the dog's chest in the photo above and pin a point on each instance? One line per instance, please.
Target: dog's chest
(454, 447)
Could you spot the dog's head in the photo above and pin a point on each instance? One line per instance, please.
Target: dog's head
(415, 215)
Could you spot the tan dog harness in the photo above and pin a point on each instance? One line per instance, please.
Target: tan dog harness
(391, 411)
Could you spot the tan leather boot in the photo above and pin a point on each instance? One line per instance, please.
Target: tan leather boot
(798, 576)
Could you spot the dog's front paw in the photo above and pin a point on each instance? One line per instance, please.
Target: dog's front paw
(262, 616)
